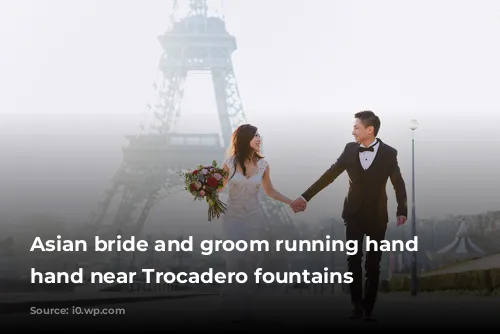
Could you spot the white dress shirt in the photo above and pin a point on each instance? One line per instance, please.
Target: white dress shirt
(366, 158)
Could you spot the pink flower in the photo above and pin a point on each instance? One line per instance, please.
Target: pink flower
(218, 176)
(204, 171)
(202, 193)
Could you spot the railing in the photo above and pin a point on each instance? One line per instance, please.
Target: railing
(173, 139)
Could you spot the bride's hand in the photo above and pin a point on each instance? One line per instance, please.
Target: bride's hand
(299, 205)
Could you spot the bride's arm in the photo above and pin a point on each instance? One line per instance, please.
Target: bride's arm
(269, 189)
(224, 180)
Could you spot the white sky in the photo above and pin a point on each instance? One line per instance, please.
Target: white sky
(86, 68)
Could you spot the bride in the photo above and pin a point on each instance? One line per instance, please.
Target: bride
(244, 218)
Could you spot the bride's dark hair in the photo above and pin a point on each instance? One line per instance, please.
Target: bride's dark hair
(240, 146)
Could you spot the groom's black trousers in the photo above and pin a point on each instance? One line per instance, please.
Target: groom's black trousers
(356, 229)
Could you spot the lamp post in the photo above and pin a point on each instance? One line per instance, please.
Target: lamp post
(333, 253)
(413, 282)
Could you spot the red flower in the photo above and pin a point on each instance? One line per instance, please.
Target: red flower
(195, 172)
(212, 182)
(192, 187)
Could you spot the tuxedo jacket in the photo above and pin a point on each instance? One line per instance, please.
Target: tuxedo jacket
(366, 196)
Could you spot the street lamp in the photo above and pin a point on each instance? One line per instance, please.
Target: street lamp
(413, 282)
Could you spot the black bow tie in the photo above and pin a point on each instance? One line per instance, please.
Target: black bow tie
(364, 149)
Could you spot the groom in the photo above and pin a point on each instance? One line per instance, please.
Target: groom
(369, 163)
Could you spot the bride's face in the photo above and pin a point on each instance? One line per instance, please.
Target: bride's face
(255, 142)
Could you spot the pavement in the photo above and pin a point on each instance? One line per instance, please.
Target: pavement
(271, 311)
(22, 302)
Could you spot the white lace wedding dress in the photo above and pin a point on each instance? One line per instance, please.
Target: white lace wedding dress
(244, 219)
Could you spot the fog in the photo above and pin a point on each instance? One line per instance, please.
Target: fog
(76, 77)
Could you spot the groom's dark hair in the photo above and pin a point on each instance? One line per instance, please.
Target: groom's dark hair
(368, 118)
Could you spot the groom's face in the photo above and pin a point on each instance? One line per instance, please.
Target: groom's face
(359, 131)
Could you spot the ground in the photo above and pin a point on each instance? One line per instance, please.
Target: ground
(278, 311)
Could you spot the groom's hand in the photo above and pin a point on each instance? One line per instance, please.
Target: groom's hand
(298, 205)
(401, 220)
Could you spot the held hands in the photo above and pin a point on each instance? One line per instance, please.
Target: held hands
(298, 205)
(401, 220)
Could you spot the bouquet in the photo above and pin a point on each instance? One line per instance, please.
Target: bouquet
(203, 183)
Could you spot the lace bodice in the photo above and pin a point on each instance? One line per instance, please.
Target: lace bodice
(243, 190)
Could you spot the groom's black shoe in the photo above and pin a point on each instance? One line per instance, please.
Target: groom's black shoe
(356, 313)
(369, 316)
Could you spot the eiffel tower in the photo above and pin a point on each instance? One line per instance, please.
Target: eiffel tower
(148, 173)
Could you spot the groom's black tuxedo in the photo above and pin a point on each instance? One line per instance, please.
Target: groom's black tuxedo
(365, 210)
(367, 188)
